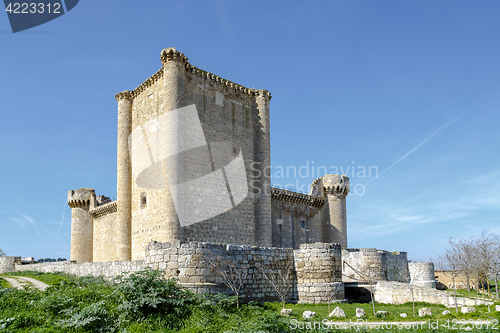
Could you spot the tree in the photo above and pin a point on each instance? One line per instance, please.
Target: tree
(495, 263)
(452, 259)
(366, 278)
(484, 258)
(2, 254)
(466, 251)
(280, 275)
(231, 273)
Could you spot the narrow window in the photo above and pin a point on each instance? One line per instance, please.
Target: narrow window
(144, 200)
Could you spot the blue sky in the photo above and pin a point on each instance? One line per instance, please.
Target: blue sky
(408, 88)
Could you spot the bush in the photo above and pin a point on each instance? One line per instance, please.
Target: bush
(148, 293)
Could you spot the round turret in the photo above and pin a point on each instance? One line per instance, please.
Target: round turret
(336, 184)
(80, 198)
(82, 230)
(335, 188)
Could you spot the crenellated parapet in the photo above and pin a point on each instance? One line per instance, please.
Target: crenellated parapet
(124, 95)
(102, 210)
(148, 83)
(295, 197)
(263, 93)
(171, 54)
(81, 197)
(330, 184)
(336, 184)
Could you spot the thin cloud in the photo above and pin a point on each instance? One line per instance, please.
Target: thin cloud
(427, 139)
(25, 221)
(62, 218)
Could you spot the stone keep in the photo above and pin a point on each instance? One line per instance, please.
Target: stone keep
(228, 112)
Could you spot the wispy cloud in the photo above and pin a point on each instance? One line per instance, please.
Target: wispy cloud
(62, 218)
(477, 194)
(476, 104)
(25, 221)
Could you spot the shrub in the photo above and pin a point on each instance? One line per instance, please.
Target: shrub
(148, 293)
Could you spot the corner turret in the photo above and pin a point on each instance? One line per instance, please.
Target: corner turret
(335, 188)
(82, 229)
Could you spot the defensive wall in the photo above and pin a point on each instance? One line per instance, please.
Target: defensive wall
(7, 264)
(314, 270)
(374, 265)
(391, 292)
(422, 274)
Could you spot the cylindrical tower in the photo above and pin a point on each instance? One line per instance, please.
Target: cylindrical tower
(124, 175)
(319, 273)
(174, 80)
(263, 226)
(336, 188)
(82, 229)
(422, 274)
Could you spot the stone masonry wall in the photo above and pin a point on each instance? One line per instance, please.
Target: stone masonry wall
(314, 270)
(228, 113)
(296, 218)
(377, 265)
(190, 264)
(319, 273)
(390, 292)
(7, 264)
(422, 274)
(105, 269)
(104, 245)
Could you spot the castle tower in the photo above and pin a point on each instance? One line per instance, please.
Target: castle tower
(263, 226)
(174, 80)
(82, 228)
(124, 175)
(335, 188)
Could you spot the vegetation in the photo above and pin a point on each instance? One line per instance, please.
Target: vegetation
(48, 278)
(42, 260)
(147, 302)
(477, 259)
(4, 284)
(2, 254)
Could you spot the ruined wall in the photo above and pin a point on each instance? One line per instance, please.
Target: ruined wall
(377, 265)
(319, 273)
(314, 270)
(422, 274)
(104, 232)
(390, 292)
(7, 264)
(190, 264)
(108, 269)
(296, 218)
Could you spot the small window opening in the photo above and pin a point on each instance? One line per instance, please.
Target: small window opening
(144, 200)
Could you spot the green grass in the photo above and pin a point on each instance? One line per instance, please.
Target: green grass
(146, 302)
(474, 294)
(48, 278)
(394, 311)
(4, 284)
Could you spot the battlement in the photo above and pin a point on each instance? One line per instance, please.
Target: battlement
(330, 184)
(171, 54)
(295, 197)
(104, 209)
(81, 197)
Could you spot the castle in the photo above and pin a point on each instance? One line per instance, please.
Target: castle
(193, 183)
(171, 101)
